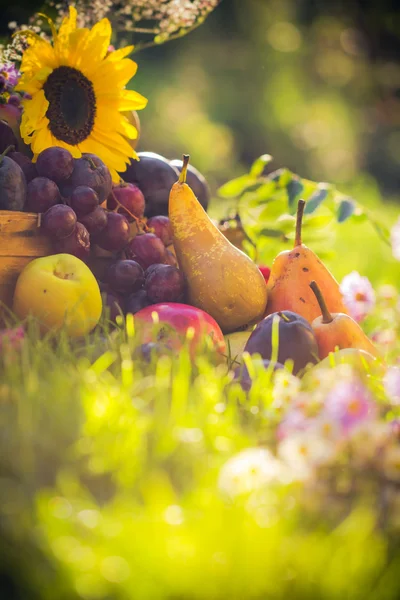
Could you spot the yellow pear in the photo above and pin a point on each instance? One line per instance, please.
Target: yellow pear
(221, 279)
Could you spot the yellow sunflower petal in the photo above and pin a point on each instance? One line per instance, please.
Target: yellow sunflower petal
(113, 139)
(131, 100)
(107, 155)
(117, 55)
(127, 129)
(97, 43)
(68, 24)
(36, 108)
(42, 139)
(77, 40)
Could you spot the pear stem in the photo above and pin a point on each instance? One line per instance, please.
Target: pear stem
(182, 176)
(299, 220)
(326, 315)
(6, 151)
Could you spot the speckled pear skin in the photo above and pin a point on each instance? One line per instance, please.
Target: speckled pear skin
(291, 274)
(342, 332)
(221, 279)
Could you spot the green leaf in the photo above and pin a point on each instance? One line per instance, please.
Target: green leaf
(345, 210)
(258, 165)
(294, 189)
(281, 177)
(236, 186)
(274, 233)
(317, 221)
(382, 231)
(316, 199)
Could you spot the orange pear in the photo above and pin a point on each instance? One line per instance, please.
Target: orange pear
(221, 279)
(291, 274)
(337, 330)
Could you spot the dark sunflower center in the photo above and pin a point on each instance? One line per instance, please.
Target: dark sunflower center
(72, 105)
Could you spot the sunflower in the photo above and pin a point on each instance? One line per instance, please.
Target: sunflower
(77, 94)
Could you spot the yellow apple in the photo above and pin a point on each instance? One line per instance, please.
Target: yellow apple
(235, 343)
(60, 291)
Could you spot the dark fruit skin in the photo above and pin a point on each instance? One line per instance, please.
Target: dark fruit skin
(130, 197)
(170, 259)
(196, 181)
(296, 340)
(125, 276)
(95, 221)
(12, 185)
(42, 193)
(91, 171)
(27, 166)
(147, 249)
(165, 284)
(7, 136)
(59, 221)
(56, 163)
(112, 305)
(154, 176)
(83, 200)
(136, 302)
(241, 374)
(150, 269)
(162, 228)
(77, 244)
(115, 235)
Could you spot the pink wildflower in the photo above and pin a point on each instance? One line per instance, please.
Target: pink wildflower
(395, 238)
(358, 295)
(10, 75)
(391, 383)
(350, 404)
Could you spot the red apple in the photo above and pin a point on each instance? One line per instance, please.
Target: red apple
(266, 271)
(175, 319)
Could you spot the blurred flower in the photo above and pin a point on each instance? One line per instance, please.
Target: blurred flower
(11, 339)
(391, 383)
(247, 471)
(295, 420)
(349, 403)
(395, 237)
(358, 295)
(286, 386)
(305, 450)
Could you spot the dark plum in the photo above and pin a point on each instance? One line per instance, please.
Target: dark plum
(112, 305)
(296, 340)
(136, 302)
(125, 276)
(42, 194)
(95, 221)
(7, 136)
(27, 166)
(154, 176)
(12, 184)
(242, 376)
(161, 226)
(89, 170)
(115, 235)
(56, 163)
(59, 221)
(196, 181)
(15, 100)
(83, 200)
(78, 243)
(147, 249)
(152, 268)
(130, 197)
(165, 284)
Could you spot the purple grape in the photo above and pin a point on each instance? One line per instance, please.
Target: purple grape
(27, 166)
(170, 259)
(125, 276)
(14, 100)
(165, 284)
(42, 194)
(115, 234)
(130, 197)
(136, 302)
(146, 249)
(77, 244)
(112, 305)
(162, 228)
(59, 221)
(91, 171)
(151, 268)
(56, 163)
(83, 200)
(95, 221)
